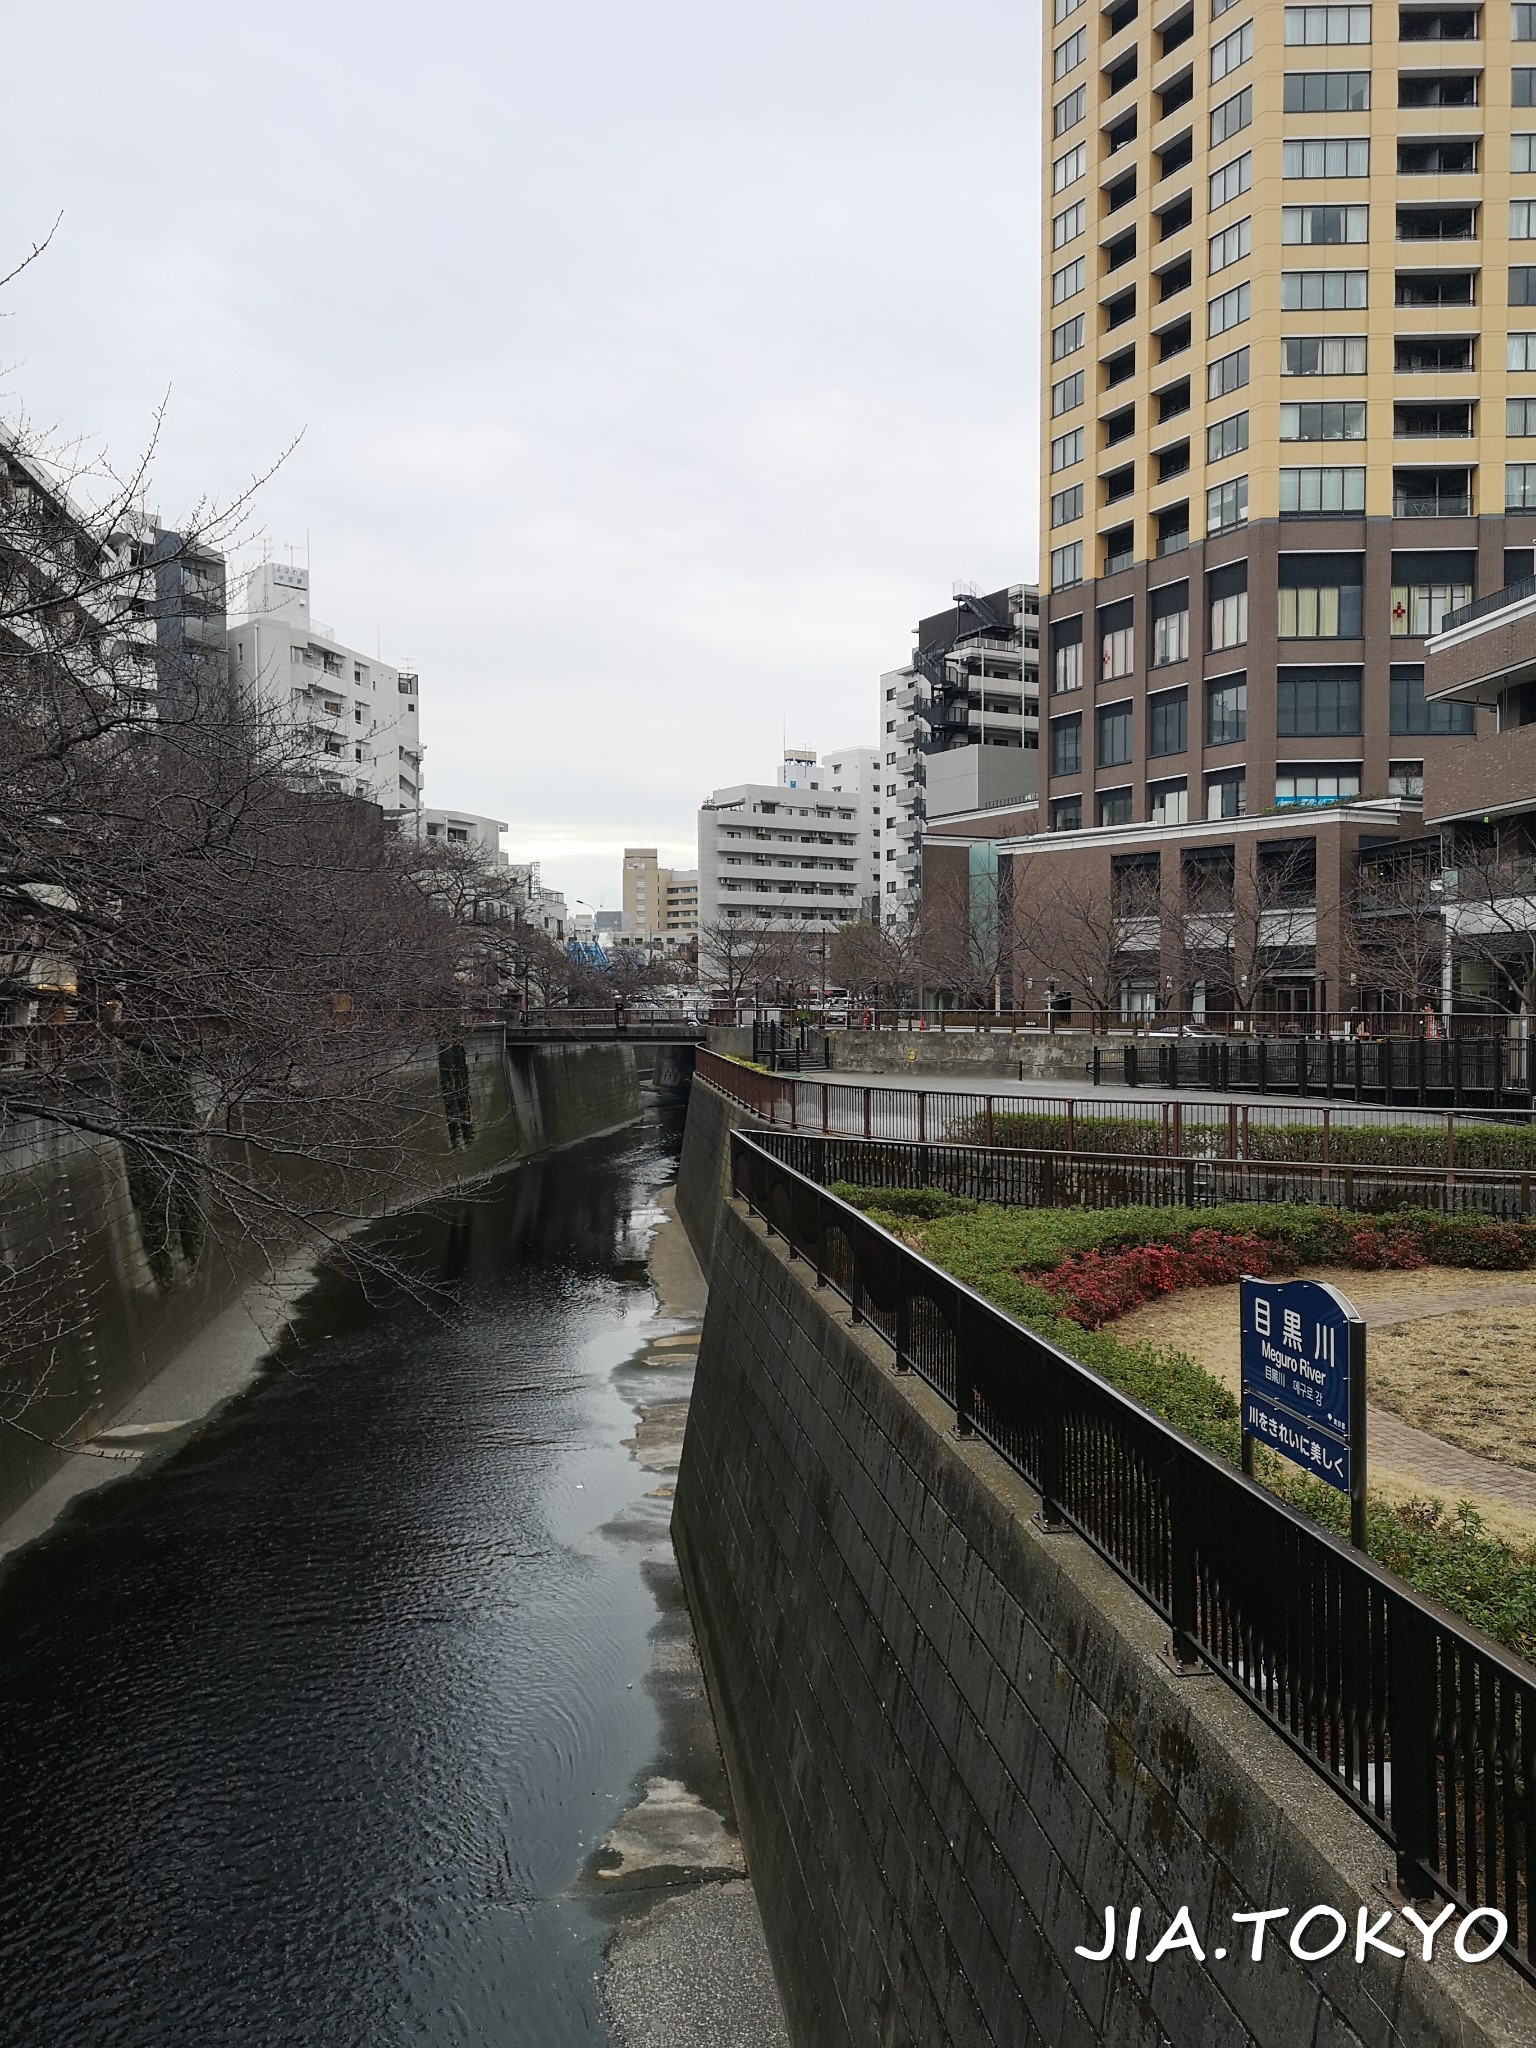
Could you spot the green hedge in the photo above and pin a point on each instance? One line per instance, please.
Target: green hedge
(1486, 1145)
(1449, 1557)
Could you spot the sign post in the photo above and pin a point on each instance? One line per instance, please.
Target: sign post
(1303, 1394)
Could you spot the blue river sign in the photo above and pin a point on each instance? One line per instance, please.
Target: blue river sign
(1303, 1387)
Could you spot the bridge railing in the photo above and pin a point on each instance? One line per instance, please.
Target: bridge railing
(1285, 1131)
(1425, 1728)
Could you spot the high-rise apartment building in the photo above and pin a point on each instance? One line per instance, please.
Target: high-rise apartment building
(659, 903)
(959, 728)
(1289, 391)
(359, 715)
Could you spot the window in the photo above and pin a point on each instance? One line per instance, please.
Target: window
(1226, 506)
(1321, 291)
(1067, 506)
(1173, 528)
(1312, 25)
(1114, 734)
(1437, 89)
(1227, 373)
(1231, 117)
(1522, 352)
(1067, 395)
(1168, 802)
(1067, 745)
(1226, 437)
(1437, 223)
(1119, 549)
(1331, 420)
(1323, 225)
(1406, 779)
(1319, 598)
(1068, 112)
(1322, 490)
(1434, 288)
(1522, 152)
(1067, 338)
(1067, 282)
(1175, 93)
(1327, 92)
(1520, 418)
(1522, 285)
(1302, 785)
(1173, 156)
(1228, 311)
(1175, 279)
(1435, 354)
(1119, 483)
(1067, 565)
(1063, 8)
(1520, 487)
(1431, 493)
(1114, 807)
(1327, 156)
(1170, 624)
(1317, 703)
(1226, 592)
(1066, 656)
(1069, 167)
(1068, 224)
(1068, 55)
(1117, 640)
(1523, 84)
(1322, 355)
(1420, 608)
(1226, 710)
(1172, 461)
(1226, 795)
(1067, 814)
(1231, 179)
(1522, 219)
(1433, 420)
(1231, 245)
(1522, 24)
(1437, 157)
(1232, 50)
(1067, 449)
(1168, 722)
(1410, 714)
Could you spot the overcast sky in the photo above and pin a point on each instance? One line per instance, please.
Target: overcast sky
(657, 364)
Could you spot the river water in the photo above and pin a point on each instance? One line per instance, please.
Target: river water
(308, 1734)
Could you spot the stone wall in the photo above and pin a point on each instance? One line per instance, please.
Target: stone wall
(103, 1316)
(952, 1738)
(975, 1055)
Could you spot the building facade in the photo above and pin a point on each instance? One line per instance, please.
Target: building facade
(478, 835)
(959, 728)
(1288, 389)
(360, 716)
(793, 853)
(659, 903)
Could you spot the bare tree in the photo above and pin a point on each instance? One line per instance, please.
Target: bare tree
(1251, 920)
(1393, 936)
(1489, 897)
(1090, 927)
(967, 937)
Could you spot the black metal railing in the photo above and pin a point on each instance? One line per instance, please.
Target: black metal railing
(1484, 1068)
(1424, 1727)
(1485, 607)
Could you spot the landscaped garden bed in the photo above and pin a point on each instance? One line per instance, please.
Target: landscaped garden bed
(1068, 1273)
(1509, 1146)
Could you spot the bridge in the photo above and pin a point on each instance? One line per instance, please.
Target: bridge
(607, 1027)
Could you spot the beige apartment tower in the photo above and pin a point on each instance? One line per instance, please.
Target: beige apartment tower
(1288, 390)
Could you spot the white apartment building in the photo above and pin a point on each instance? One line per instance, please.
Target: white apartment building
(959, 727)
(360, 714)
(794, 851)
(465, 828)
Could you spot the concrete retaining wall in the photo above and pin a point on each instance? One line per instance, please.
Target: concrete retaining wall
(972, 1056)
(952, 1739)
(96, 1322)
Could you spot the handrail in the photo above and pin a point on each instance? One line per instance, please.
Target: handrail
(1484, 607)
(1425, 1727)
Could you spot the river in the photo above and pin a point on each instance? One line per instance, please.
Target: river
(309, 1733)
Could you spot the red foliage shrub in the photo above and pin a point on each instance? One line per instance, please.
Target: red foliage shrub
(1095, 1287)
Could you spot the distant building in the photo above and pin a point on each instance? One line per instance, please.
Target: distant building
(361, 714)
(658, 902)
(793, 852)
(467, 829)
(959, 726)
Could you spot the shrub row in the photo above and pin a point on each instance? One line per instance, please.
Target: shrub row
(1476, 1145)
(1013, 1257)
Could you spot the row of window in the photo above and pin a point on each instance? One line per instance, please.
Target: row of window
(1321, 597)
(1302, 291)
(1310, 703)
(1339, 156)
(1299, 785)
(1321, 355)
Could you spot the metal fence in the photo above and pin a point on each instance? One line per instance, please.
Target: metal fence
(1034, 1178)
(1425, 1728)
(1487, 1069)
(1285, 1132)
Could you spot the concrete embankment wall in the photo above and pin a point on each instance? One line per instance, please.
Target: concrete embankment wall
(952, 1738)
(970, 1056)
(96, 1308)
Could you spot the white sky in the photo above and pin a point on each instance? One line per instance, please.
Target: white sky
(658, 363)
